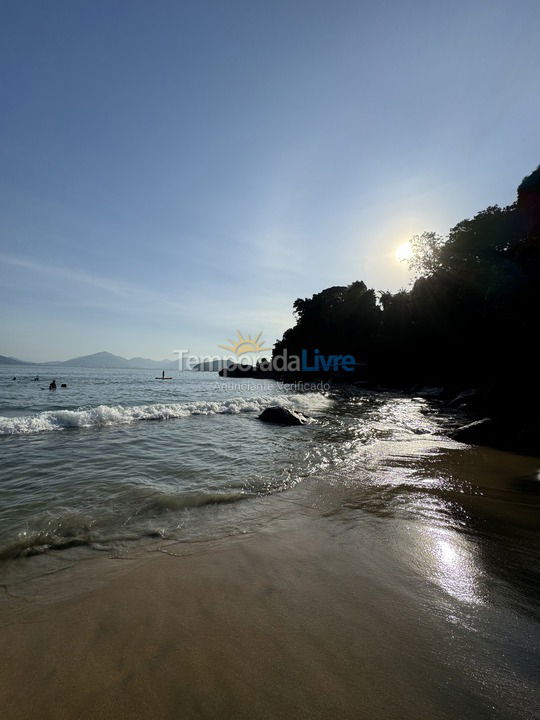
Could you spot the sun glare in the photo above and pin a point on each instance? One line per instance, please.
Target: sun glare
(404, 252)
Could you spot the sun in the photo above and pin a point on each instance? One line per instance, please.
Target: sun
(404, 252)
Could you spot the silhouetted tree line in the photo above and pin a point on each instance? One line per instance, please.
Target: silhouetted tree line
(470, 319)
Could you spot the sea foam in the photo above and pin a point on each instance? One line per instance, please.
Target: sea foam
(110, 415)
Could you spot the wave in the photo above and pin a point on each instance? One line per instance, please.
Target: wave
(110, 415)
(65, 529)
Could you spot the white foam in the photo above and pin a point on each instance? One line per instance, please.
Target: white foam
(107, 415)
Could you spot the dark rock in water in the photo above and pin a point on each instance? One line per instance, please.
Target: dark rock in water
(480, 432)
(520, 437)
(283, 416)
(431, 393)
(466, 399)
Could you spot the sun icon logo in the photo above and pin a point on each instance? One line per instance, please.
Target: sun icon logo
(245, 344)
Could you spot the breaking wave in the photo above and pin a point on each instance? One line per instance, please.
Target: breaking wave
(109, 415)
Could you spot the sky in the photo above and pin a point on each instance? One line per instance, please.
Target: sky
(171, 172)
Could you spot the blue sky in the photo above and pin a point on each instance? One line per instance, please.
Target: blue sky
(173, 171)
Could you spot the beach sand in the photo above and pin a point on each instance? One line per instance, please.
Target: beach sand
(292, 621)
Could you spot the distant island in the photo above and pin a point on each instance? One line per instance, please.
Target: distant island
(108, 360)
(101, 360)
(215, 365)
(5, 360)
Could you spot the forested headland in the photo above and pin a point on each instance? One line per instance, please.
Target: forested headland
(470, 319)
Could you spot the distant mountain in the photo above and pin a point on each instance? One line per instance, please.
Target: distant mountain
(102, 360)
(108, 360)
(153, 364)
(5, 360)
(140, 362)
(97, 360)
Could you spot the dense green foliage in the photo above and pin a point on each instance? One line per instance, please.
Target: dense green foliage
(471, 317)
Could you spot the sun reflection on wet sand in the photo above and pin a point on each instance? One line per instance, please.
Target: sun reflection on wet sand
(401, 470)
(452, 563)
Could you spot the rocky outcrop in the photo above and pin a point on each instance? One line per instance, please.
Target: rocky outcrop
(479, 432)
(521, 436)
(466, 399)
(283, 416)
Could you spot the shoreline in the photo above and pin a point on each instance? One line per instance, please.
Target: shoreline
(313, 615)
(225, 631)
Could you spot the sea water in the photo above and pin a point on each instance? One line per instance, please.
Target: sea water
(119, 460)
(118, 454)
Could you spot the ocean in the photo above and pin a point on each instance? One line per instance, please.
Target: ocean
(119, 455)
(431, 531)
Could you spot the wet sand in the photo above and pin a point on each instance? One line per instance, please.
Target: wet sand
(298, 620)
(252, 628)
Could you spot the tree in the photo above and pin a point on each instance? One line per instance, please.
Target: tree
(426, 253)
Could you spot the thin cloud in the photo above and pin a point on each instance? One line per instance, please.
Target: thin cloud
(132, 296)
